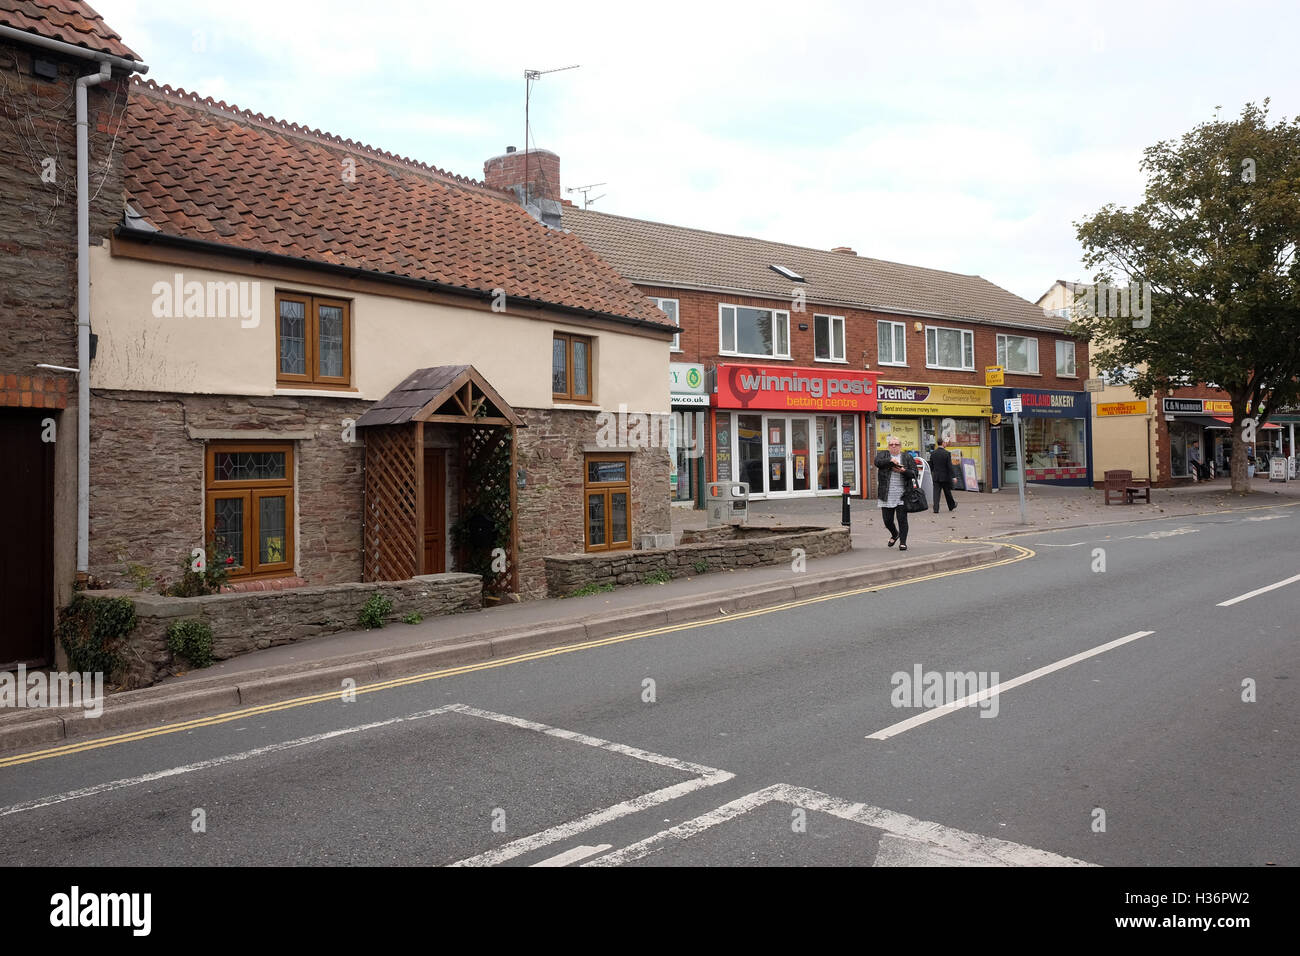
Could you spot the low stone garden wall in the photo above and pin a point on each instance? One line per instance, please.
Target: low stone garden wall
(700, 552)
(251, 621)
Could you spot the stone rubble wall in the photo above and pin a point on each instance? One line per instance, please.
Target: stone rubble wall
(755, 547)
(244, 622)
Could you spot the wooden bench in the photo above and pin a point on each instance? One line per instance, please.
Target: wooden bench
(1125, 487)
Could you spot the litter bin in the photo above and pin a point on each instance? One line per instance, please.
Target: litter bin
(727, 502)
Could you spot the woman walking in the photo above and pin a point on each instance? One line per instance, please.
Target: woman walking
(895, 470)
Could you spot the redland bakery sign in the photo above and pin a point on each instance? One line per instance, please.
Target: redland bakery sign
(802, 389)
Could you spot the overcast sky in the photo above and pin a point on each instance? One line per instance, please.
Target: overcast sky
(959, 136)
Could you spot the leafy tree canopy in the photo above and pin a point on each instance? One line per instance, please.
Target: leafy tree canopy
(1215, 238)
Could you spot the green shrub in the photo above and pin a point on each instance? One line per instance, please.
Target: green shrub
(192, 640)
(415, 617)
(662, 576)
(93, 632)
(701, 567)
(375, 610)
(208, 581)
(592, 588)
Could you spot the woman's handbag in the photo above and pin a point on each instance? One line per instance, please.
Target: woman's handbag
(914, 499)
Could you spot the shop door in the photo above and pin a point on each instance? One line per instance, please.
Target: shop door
(435, 511)
(1177, 450)
(776, 442)
(27, 546)
(1007, 450)
(800, 455)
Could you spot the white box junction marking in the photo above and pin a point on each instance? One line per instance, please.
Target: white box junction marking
(705, 777)
(910, 842)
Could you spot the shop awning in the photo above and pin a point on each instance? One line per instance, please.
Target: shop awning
(1204, 421)
(1228, 423)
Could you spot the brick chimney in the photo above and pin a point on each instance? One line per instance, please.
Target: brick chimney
(844, 249)
(535, 180)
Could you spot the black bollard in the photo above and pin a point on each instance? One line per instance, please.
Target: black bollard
(844, 513)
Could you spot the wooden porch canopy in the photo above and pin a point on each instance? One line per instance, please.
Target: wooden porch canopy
(394, 472)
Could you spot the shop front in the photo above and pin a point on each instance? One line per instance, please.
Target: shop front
(1197, 435)
(790, 432)
(687, 431)
(1056, 428)
(921, 414)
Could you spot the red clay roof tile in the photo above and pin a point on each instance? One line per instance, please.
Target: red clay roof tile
(70, 21)
(302, 193)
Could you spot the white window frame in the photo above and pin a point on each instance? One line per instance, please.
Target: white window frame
(1004, 351)
(844, 346)
(1074, 359)
(777, 314)
(947, 328)
(677, 317)
(892, 338)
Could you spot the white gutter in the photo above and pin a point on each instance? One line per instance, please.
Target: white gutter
(106, 63)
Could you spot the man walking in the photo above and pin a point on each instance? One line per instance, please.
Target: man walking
(941, 475)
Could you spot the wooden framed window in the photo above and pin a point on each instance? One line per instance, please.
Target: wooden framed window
(250, 507)
(571, 367)
(607, 501)
(314, 340)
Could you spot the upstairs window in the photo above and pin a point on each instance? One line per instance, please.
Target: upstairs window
(1018, 353)
(314, 338)
(949, 348)
(891, 343)
(756, 333)
(828, 338)
(571, 368)
(669, 307)
(1065, 359)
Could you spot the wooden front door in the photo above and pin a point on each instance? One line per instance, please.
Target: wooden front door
(435, 511)
(27, 544)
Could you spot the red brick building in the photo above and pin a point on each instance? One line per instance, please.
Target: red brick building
(920, 338)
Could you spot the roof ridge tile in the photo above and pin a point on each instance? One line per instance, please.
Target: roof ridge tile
(326, 138)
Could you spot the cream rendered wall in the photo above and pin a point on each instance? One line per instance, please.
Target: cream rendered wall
(1118, 441)
(138, 350)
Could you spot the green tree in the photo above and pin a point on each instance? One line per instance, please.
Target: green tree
(1215, 238)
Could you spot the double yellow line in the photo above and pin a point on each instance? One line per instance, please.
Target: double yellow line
(245, 712)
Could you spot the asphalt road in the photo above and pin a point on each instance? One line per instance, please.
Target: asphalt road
(759, 740)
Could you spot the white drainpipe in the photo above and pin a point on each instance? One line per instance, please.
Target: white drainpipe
(106, 63)
(83, 315)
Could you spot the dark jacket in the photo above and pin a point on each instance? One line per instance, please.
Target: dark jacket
(884, 467)
(940, 465)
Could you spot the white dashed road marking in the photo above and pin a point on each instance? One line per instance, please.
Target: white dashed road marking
(1258, 591)
(893, 730)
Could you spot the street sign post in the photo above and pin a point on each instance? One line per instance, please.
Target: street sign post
(1012, 407)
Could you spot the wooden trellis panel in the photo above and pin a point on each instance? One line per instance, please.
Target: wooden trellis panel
(392, 503)
(480, 443)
